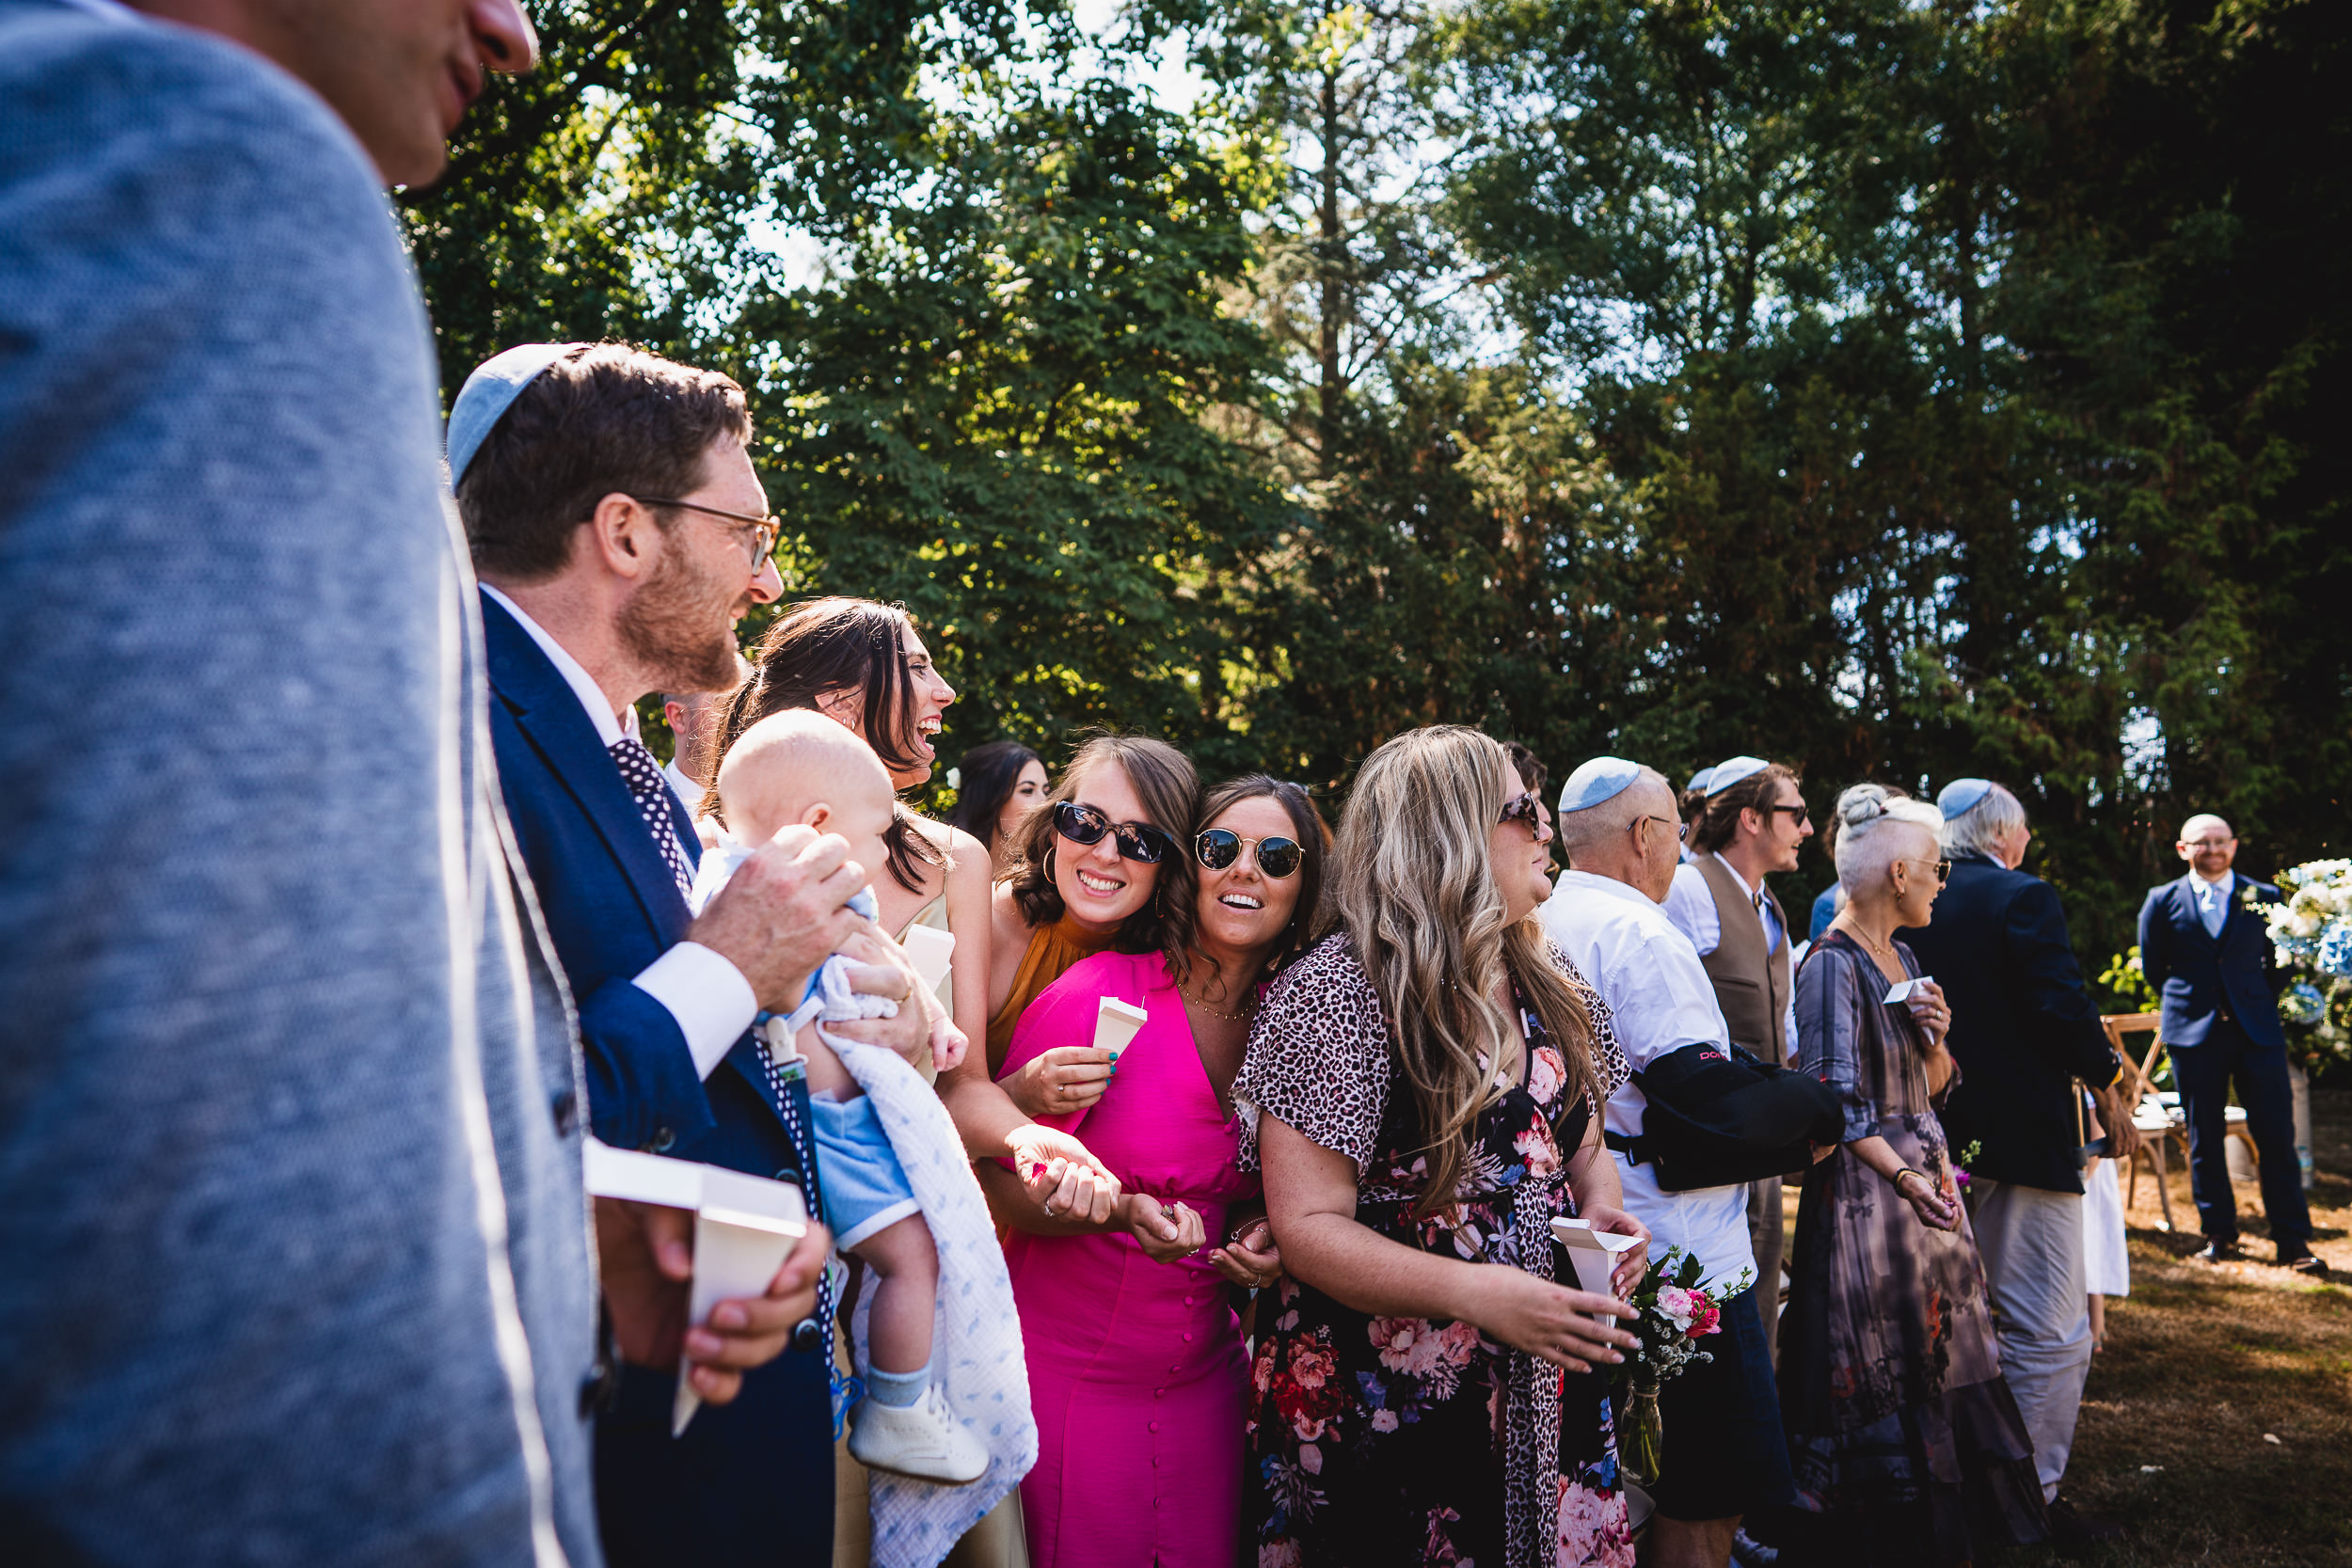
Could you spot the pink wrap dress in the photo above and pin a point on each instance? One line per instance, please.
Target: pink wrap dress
(1137, 1371)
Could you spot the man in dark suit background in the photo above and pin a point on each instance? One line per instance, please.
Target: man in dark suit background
(2206, 950)
(619, 529)
(2023, 1034)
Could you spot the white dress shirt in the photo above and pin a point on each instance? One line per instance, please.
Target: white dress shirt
(1650, 975)
(689, 793)
(1691, 903)
(2213, 901)
(702, 988)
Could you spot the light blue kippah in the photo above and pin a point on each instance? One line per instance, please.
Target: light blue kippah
(1961, 796)
(1698, 781)
(1598, 780)
(488, 393)
(1731, 770)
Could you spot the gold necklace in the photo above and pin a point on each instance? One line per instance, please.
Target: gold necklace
(1202, 1004)
(1870, 941)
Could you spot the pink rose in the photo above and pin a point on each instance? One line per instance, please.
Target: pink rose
(1384, 1420)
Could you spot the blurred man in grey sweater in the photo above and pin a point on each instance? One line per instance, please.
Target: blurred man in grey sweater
(295, 1260)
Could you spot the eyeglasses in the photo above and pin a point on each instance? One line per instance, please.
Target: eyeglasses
(1525, 807)
(1682, 829)
(1942, 868)
(1798, 812)
(1219, 848)
(764, 530)
(1137, 841)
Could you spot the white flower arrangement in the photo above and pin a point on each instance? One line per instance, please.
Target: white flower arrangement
(2311, 932)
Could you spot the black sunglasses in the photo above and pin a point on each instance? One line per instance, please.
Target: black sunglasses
(1137, 841)
(1219, 848)
(1523, 807)
(1796, 811)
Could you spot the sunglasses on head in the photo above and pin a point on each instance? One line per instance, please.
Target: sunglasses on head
(1137, 841)
(1219, 848)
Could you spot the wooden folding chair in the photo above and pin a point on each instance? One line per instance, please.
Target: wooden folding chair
(2150, 1116)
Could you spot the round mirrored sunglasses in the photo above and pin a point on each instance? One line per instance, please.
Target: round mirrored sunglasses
(1219, 848)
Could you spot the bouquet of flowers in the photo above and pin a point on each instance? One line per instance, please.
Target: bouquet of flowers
(2311, 932)
(1671, 1315)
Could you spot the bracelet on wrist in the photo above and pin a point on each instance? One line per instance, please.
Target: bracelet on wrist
(1896, 1181)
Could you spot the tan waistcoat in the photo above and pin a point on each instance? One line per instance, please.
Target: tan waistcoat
(1752, 986)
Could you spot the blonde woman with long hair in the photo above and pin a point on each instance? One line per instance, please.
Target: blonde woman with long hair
(1420, 1092)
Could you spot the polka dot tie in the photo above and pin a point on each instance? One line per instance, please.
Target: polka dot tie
(644, 778)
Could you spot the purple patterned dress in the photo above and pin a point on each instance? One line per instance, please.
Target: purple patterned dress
(1902, 1433)
(1413, 1440)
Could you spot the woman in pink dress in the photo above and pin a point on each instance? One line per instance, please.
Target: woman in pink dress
(1137, 1371)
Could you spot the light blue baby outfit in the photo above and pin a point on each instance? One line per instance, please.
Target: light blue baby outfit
(865, 1187)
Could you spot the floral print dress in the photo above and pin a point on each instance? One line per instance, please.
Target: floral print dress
(1421, 1441)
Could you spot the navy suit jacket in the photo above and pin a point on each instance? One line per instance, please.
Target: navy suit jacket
(2023, 1030)
(2201, 976)
(752, 1482)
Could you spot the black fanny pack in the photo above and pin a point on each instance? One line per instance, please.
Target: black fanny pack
(1718, 1116)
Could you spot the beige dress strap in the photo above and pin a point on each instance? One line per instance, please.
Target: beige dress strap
(933, 915)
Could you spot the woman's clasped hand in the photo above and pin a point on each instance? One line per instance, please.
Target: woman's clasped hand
(1167, 1233)
(1250, 1257)
(1937, 1206)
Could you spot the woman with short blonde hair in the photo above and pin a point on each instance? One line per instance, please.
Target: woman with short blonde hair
(1905, 1440)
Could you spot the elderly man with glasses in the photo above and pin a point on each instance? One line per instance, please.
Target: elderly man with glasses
(1699, 1122)
(2205, 946)
(2025, 1034)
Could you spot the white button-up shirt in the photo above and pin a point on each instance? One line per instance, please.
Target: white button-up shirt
(1691, 905)
(2213, 899)
(702, 988)
(1650, 975)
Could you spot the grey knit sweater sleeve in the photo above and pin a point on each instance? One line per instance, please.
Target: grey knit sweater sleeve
(292, 1249)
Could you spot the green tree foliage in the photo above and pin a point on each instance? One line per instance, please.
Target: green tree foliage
(1899, 390)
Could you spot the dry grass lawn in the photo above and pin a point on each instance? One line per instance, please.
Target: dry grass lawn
(2217, 1425)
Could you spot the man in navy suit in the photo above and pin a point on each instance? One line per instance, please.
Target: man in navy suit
(2205, 946)
(619, 529)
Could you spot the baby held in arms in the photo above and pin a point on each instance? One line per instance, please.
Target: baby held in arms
(801, 767)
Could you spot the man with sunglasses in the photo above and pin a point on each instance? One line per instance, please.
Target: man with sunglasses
(1752, 824)
(619, 532)
(2025, 1034)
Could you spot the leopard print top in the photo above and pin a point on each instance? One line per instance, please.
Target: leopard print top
(1319, 1059)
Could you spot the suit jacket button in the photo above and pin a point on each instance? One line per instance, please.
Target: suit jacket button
(597, 1390)
(567, 1110)
(663, 1140)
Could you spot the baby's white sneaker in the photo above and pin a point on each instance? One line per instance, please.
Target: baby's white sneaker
(923, 1440)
